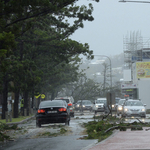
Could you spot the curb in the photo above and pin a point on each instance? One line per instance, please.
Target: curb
(20, 122)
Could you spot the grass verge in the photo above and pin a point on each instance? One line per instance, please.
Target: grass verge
(20, 118)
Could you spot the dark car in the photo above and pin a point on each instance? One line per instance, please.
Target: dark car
(84, 105)
(52, 112)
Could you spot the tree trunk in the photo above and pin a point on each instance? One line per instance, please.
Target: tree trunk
(32, 103)
(26, 102)
(53, 95)
(16, 104)
(4, 97)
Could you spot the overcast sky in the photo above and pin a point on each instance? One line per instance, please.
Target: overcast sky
(113, 21)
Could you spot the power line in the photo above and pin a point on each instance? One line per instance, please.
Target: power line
(124, 1)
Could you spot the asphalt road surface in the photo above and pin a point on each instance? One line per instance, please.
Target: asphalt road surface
(32, 138)
(28, 138)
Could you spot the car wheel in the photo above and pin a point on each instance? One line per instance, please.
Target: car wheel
(67, 123)
(38, 124)
(106, 112)
(123, 115)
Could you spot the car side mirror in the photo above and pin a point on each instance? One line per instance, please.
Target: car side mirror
(116, 104)
(144, 105)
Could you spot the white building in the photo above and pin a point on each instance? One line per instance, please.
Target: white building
(137, 75)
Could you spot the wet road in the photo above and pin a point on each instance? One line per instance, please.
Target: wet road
(28, 138)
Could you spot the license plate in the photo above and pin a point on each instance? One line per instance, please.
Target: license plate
(52, 111)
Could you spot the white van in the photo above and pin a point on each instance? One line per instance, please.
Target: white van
(100, 105)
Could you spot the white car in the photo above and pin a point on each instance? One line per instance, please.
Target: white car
(134, 108)
(100, 105)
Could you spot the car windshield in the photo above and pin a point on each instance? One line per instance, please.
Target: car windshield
(121, 102)
(51, 104)
(86, 102)
(67, 100)
(133, 103)
(117, 100)
(101, 101)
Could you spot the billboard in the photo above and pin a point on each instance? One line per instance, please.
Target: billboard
(143, 69)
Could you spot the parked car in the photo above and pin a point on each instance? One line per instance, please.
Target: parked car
(52, 112)
(134, 108)
(100, 105)
(70, 102)
(119, 106)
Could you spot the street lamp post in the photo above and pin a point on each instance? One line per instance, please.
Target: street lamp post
(110, 80)
(110, 68)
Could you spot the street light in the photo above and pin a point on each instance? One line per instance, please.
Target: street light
(110, 68)
(135, 1)
(110, 81)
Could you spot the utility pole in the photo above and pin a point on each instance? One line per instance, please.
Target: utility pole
(110, 98)
(110, 68)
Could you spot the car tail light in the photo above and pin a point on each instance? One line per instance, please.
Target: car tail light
(70, 104)
(41, 111)
(62, 109)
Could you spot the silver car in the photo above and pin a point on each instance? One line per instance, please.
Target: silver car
(134, 108)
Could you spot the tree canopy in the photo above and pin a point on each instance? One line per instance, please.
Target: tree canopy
(36, 52)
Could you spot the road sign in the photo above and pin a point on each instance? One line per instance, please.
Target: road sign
(42, 96)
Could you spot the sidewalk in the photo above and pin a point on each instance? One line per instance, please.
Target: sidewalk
(131, 140)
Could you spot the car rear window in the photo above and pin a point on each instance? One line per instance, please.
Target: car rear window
(67, 100)
(51, 104)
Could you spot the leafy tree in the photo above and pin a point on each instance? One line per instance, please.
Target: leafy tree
(83, 88)
(19, 18)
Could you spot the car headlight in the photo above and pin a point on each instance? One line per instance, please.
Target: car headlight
(119, 108)
(125, 109)
(143, 109)
(113, 106)
(83, 106)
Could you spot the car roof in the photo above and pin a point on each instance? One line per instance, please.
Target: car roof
(51, 101)
(133, 100)
(101, 98)
(82, 100)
